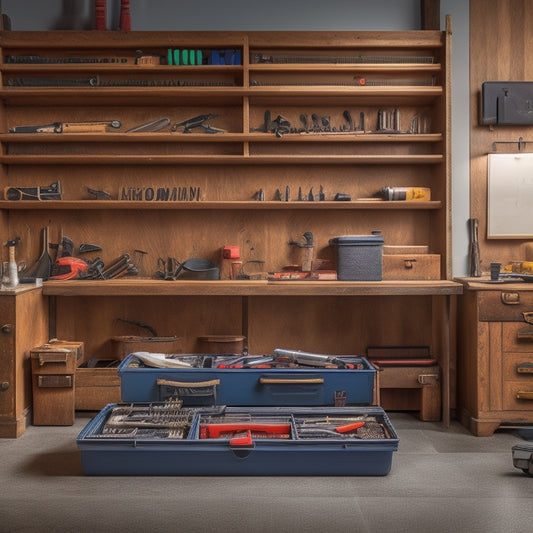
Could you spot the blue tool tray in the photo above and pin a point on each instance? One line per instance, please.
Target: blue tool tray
(248, 386)
(163, 438)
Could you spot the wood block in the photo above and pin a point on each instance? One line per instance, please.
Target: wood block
(96, 386)
(53, 359)
(411, 389)
(53, 399)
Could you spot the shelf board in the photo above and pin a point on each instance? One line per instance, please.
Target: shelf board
(216, 205)
(149, 287)
(397, 68)
(179, 137)
(216, 95)
(113, 68)
(276, 159)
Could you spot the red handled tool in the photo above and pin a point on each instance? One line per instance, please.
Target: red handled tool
(125, 15)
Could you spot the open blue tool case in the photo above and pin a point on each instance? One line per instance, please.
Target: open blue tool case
(240, 415)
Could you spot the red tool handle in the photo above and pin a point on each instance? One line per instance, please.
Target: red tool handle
(100, 14)
(349, 427)
(213, 431)
(125, 16)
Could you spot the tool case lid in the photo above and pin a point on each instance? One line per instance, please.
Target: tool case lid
(361, 240)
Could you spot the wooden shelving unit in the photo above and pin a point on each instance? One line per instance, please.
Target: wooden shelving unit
(323, 74)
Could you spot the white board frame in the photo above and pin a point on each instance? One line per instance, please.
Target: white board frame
(510, 196)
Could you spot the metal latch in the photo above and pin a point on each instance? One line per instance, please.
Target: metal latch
(428, 379)
(510, 298)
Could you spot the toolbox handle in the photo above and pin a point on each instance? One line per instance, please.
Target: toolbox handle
(290, 381)
(53, 358)
(210, 383)
(524, 395)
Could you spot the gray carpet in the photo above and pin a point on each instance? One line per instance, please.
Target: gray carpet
(441, 481)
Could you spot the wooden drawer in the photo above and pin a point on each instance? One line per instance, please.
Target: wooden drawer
(504, 306)
(518, 395)
(50, 359)
(517, 337)
(518, 367)
(411, 266)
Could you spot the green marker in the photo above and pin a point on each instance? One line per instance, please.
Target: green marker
(169, 57)
(176, 57)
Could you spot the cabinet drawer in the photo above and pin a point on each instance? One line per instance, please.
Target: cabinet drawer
(518, 367)
(517, 337)
(504, 305)
(518, 395)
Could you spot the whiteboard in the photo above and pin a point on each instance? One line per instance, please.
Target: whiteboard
(510, 196)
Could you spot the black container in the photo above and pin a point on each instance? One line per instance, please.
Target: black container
(359, 257)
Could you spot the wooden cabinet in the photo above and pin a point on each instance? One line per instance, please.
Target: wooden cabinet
(495, 359)
(302, 113)
(23, 325)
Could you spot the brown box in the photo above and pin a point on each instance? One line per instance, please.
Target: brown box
(54, 359)
(222, 344)
(126, 344)
(411, 388)
(411, 266)
(53, 399)
(97, 384)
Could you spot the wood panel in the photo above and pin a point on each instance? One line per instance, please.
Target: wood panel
(501, 40)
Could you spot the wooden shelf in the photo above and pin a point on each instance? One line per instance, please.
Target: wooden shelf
(148, 287)
(289, 159)
(179, 137)
(46, 205)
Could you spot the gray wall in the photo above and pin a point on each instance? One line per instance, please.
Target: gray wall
(251, 15)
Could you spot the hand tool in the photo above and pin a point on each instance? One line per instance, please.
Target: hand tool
(43, 266)
(12, 269)
(475, 270)
(154, 125)
(309, 250)
(263, 58)
(215, 431)
(85, 248)
(200, 121)
(52, 192)
(69, 127)
(311, 359)
(98, 195)
(499, 277)
(68, 267)
(53, 82)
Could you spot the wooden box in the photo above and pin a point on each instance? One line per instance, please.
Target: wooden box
(54, 359)
(97, 384)
(411, 266)
(126, 344)
(411, 388)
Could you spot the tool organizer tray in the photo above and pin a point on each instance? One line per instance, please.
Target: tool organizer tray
(165, 438)
(223, 384)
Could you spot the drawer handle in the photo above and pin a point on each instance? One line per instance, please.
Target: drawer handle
(524, 395)
(525, 368)
(290, 381)
(510, 298)
(45, 358)
(210, 383)
(525, 334)
(408, 263)
(528, 317)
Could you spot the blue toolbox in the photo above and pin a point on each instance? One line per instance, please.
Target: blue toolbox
(166, 438)
(286, 378)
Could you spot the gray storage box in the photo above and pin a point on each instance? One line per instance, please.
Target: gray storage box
(359, 257)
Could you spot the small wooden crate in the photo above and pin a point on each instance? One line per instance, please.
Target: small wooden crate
(53, 368)
(97, 384)
(411, 266)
